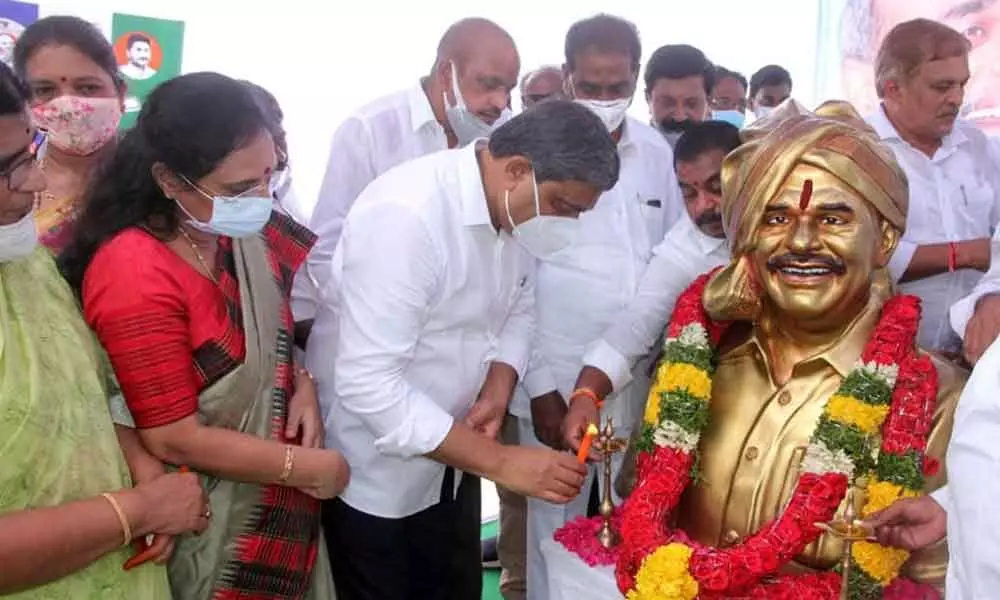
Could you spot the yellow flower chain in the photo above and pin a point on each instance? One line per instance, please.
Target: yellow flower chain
(676, 377)
(665, 576)
(848, 410)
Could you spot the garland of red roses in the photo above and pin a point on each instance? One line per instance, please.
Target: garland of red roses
(751, 568)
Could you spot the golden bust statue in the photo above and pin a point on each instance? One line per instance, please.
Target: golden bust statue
(813, 207)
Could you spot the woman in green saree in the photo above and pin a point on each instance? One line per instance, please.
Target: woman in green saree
(185, 274)
(67, 507)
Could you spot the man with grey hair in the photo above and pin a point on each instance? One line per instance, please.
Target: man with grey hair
(954, 180)
(865, 23)
(427, 328)
(544, 83)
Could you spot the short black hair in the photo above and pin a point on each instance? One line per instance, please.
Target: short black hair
(724, 73)
(679, 61)
(75, 32)
(564, 141)
(706, 136)
(138, 38)
(768, 76)
(605, 33)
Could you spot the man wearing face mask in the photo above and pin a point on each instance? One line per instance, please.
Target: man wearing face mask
(582, 289)
(769, 87)
(417, 357)
(678, 80)
(464, 97)
(695, 245)
(729, 97)
(920, 77)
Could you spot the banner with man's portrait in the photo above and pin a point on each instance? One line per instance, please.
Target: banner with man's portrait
(852, 30)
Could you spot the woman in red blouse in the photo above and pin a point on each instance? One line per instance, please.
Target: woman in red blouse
(185, 274)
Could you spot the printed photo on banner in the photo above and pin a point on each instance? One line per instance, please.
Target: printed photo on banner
(149, 52)
(14, 17)
(852, 31)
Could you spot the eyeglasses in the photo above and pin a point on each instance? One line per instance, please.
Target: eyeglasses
(18, 172)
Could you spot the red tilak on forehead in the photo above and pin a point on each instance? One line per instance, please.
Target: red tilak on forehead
(807, 193)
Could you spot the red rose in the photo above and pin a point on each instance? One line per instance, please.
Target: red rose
(931, 466)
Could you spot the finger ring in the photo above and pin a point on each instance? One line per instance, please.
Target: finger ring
(208, 514)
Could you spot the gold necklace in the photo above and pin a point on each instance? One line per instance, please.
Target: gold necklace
(197, 254)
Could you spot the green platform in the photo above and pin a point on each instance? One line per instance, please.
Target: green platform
(491, 577)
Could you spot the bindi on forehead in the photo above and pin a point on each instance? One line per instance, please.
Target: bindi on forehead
(806, 196)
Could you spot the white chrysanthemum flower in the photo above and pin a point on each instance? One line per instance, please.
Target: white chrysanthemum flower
(820, 459)
(694, 335)
(885, 373)
(672, 435)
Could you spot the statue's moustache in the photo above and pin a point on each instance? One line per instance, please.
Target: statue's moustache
(793, 259)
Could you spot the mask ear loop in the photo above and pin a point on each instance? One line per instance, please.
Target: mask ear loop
(534, 185)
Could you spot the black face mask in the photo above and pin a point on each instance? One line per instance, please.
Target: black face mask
(672, 126)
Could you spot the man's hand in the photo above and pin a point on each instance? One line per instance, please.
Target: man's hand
(911, 524)
(487, 414)
(582, 413)
(547, 414)
(541, 473)
(304, 419)
(983, 327)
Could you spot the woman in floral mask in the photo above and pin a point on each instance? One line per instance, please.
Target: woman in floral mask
(76, 98)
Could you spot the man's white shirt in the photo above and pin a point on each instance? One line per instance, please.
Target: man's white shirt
(682, 256)
(424, 295)
(954, 196)
(973, 462)
(378, 137)
(581, 291)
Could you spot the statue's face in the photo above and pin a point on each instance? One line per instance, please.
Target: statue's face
(816, 253)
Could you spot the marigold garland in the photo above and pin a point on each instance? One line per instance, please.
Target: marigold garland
(892, 390)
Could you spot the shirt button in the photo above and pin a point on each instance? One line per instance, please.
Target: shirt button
(731, 538)
(751, 453)
(784, 398)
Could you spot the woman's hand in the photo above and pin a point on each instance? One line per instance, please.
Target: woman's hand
(305, 423)
(325, 471)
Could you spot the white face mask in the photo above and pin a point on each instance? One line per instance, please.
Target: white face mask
(466, 125)
(763, 111)
(542, 235)
(611, 112)
(235, 217)
(19, 239)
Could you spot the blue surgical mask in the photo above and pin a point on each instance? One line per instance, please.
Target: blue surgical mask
(235, 217)
(733, 117)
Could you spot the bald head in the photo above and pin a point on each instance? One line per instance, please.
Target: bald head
(481, 58)
(544, 83)
(472, 36)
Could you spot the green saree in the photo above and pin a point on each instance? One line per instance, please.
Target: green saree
(57, 440)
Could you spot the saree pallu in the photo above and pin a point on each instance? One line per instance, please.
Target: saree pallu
(263, 541)
(56, 223)
(57, 441)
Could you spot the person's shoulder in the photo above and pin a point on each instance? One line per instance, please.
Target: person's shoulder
(383, 107)
(416, 187)
(648, 138)
(131, 253)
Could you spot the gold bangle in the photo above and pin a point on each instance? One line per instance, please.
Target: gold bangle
(286, 472)
(126, 529)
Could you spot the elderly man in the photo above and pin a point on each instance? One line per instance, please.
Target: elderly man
(951, 166)
(544, 83)
(865, 23)
(465, 96)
